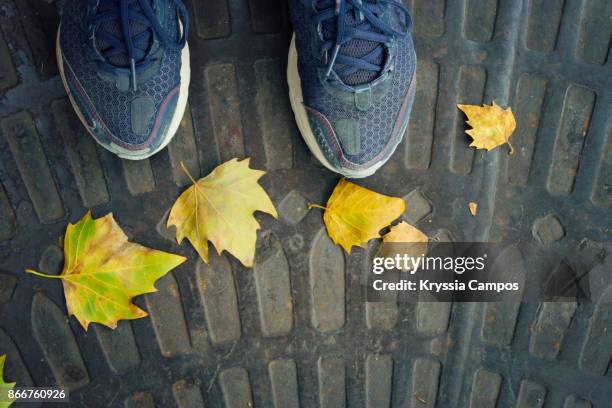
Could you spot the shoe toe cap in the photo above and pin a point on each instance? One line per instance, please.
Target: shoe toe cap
(143, 132)
(142, 109)
(351, 141)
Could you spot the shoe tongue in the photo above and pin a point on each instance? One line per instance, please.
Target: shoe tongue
(114, 29)
(355, 48)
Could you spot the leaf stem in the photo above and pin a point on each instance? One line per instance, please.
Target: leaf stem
(511, 148)
(317, 206)
(44, 275)
(188, 173)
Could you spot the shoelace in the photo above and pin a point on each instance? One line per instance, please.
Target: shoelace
(370, 27)
(125, 12)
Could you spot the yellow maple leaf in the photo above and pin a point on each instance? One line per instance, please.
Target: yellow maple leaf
(219, 208)
(4, 386)
(103, 271)
(491, 125)
(354, 215)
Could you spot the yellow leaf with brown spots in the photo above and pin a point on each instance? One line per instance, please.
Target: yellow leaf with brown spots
(103, 271)
(219, 208)
(354, 215)
(492, 126)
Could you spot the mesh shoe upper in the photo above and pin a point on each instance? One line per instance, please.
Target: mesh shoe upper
(373, 125)
(129, 117)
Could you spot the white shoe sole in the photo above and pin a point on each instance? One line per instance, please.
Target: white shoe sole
(176, 118)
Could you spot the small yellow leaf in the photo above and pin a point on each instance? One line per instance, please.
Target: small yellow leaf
(473, 208)
(219, 208)
(4, 386)
(103, 271)
(354, 214)
(404, 232)
(403, 239)
(492, 126)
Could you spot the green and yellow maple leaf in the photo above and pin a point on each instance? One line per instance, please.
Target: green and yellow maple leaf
(103, 271)
(492, 126)
(4, 386)
(219, 208)
(354, 215)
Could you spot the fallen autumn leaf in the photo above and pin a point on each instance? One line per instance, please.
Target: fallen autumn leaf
(473, 208)
(410, 241)
(492, 126)
(404, 232)
(219, 208)
(4, 386)
(103, 271)
(354, 215)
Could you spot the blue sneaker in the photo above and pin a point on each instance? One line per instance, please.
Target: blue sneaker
(351, 75)
(125, 66)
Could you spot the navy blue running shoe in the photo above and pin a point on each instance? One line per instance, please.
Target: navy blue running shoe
(125, 66)
(351, 75)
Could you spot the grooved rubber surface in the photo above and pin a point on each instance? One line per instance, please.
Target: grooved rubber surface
(293, 331)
